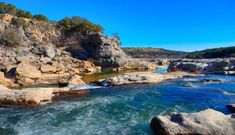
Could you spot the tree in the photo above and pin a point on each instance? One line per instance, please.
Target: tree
(40, 17)
(23, 14)
(65, 23)
(75, 21)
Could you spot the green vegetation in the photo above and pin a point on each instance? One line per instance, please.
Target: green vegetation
(79, 24)
(153, 53)
(75, 23)
(11, 37)
(11, 9)
(213, 53)
(40, 17)
(7, 9)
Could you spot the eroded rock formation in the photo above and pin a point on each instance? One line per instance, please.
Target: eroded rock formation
(208, 122)
(206, 66)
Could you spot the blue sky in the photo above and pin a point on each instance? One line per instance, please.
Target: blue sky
(186, 25)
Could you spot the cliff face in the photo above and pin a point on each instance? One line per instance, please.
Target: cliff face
(103, 51)
(57, 54)
(41, 36)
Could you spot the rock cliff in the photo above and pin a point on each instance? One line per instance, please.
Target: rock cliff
(34, 52)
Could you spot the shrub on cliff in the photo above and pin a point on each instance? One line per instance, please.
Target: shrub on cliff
(23, 14)
(7, 9)
(40, 17)
(79, 24)
(11, 37)
(11, 9)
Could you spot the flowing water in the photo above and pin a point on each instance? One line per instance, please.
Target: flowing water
(118, 110)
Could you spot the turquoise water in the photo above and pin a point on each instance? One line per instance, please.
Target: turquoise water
(118, 110)
(162, 70)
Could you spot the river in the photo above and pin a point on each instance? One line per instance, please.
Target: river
(118, 110)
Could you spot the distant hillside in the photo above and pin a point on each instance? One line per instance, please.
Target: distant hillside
(213, 53)
(153, 53)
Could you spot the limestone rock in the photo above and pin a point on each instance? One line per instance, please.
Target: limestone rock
(76, 80)
(208, 122)
(54, 78)
(25, 81)
(206, 66)
(139, 78)
(7, 82)
(48, 50)
(48, 69)
(28, 71)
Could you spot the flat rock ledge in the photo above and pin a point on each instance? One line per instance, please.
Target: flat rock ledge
(141, 78)
(207, 122)
(32, 97)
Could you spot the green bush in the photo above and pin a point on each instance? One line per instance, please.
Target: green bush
(40, 17)
(65, 23)
(11, 37)
(79, 24)
(23, 14)
(7, 9)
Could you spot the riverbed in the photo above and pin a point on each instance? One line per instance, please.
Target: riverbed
(119, 110)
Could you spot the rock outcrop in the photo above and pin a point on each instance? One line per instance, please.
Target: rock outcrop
(208, 122)
(205, 66)
(45, 53)
(104, 51)
(30, 97)
(140, 78)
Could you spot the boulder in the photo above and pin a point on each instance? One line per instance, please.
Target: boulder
(54, 78)
(27, 70)
(48, 69)
(76, 80)
(7, 82)
(48, 50)
(208, 122)
(25, 81)
(21, 54)
(26, 97)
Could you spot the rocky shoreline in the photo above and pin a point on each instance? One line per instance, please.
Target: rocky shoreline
(40, 95)
(224, 66)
